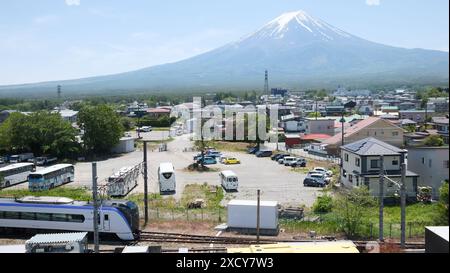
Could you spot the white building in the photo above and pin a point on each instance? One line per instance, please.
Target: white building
(432, 164)
(361, 166)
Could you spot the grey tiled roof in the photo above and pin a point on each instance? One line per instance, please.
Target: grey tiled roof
(372, 146)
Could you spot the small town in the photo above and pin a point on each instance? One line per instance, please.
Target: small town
(108, 165)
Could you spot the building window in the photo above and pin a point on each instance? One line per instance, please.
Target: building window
(357, 162)
(346, 157)
(350, 178)
(394, 133)
(395, 162)
(344, 173)
(429, 163)
(446, 164)
(374, 163)
(423, 160)
(357, 180)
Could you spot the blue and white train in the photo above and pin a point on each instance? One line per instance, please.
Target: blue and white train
(120, 217)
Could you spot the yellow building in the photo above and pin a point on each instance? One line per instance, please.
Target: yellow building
(301, 247)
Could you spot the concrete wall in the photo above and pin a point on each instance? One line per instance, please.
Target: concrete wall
(430, 164)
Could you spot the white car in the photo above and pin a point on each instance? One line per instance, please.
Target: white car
(145, 129)
(323, 170)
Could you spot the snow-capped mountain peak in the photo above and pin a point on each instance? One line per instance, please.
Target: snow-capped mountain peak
(299, 21)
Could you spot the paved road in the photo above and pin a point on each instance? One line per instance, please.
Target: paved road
(276, 182)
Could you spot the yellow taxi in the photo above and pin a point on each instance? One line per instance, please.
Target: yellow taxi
(231, 160)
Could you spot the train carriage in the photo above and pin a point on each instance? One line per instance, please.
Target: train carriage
(119, 217)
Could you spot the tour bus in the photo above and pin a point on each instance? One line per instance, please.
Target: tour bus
(15, 174)
(229, 180)
(51, 177)
(166, 176)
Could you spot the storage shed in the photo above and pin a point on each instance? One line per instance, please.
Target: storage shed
(125, 145)
(242, 216)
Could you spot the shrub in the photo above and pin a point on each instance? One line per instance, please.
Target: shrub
(323, 204)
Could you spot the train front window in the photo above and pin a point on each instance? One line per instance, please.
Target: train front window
(167, 175)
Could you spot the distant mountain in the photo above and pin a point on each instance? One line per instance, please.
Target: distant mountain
(298, 50)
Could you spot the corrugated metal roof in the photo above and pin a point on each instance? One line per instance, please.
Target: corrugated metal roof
(57, 238)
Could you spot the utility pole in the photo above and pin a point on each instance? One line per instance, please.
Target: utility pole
(317, 110)
(145, 183)
(96, 214)
(403, 206)
(381, 196)
(257, 216)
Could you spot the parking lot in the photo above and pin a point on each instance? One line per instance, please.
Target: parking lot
(275, 181)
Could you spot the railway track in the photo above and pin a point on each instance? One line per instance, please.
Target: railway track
(205, 239)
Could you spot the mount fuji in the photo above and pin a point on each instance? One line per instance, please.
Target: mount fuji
(298, 50)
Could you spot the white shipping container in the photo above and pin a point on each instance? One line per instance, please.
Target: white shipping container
(242, 214)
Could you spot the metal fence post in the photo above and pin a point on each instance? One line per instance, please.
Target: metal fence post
(410, 229)
(390, 230)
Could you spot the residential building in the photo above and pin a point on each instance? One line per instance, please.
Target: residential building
(375, 127)
(334, 110)
(320, 126)
(415, 115)
(432, 164)
(441, 125)
(278, 92)
(158, 112)
(68, 115)
(361, 166)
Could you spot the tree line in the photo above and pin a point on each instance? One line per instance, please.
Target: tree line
(98, 129)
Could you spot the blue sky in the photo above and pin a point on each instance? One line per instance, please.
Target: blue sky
(65, 39)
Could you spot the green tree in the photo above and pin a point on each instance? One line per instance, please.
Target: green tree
(102, 128)
(434, 140)
(443, 204)
(411, 128)
(127, 123)
(350, 207)
(40, 132)
(314, 114)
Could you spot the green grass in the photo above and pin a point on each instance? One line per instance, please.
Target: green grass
(160, 128)
(197, 191)
(80, 194)
(228, 146)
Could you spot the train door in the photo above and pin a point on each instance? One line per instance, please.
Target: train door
(106, 224)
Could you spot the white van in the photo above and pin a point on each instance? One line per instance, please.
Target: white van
(229, 180)
(166, 176)
(287, 160)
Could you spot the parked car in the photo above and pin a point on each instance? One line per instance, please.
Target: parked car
(231, 160)
(145, 129)
(323, 170)
(278, 156)
(213, 153)
(300, 162)
(45, 160)
(311, 182)
(319, 176)
(2, 160)
(253, 150)
(263, 153)
(207, 160)
(287, 160)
